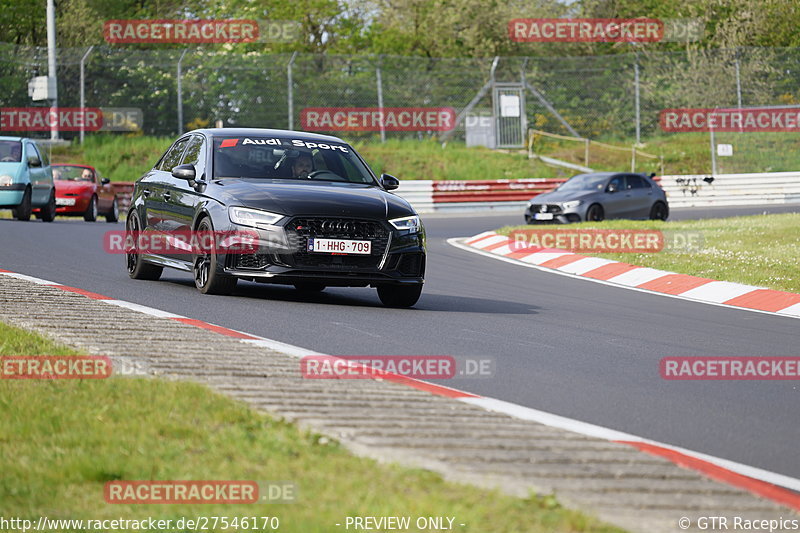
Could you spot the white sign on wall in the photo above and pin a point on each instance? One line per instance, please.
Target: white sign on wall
(509, 105)
(42, 88)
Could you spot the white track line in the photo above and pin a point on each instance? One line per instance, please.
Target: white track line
(789, 312)
(491, 404)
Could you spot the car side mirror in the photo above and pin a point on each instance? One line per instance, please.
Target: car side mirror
(105, 181)
(389, 182)
(34, 161)
(612, 187)
(184, 172)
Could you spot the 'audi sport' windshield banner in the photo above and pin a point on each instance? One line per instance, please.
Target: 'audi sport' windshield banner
(752, 119)
(378, 118)
(640, 30)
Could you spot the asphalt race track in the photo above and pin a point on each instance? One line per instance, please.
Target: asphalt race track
(567, 346)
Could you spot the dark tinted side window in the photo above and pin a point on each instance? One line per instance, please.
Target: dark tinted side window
(619, 181)
(635, 182)
(32, 150)
(193, 151)
(173, 157)
(42, 155)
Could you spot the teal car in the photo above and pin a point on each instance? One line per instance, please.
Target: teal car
(26, 181)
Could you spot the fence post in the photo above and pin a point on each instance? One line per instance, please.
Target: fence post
(738, 81)
(633, 158)
(638, 112)
(180, 94)
(290, 90)
(713, 148)
(586, 152)
(83, 89)
(380, 99)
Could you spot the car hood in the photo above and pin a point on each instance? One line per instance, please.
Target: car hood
(556, 197)
(12, 169)
(76, 187)
(310, 198)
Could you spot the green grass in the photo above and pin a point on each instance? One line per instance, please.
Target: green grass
(117, 157)
(686, 153)
(428, 160)
(760, 250)
(60, 441)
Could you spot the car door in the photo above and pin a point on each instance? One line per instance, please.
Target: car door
(41, 183)
(615, 199)
(105, 193)
(181, 197)
(156, 186)
(641, 195)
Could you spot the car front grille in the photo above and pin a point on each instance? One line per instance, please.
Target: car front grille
(250, 261)
(548, 208)
(300, 229)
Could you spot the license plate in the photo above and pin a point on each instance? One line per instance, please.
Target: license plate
(65, 201)
(339, 246)
(543, 216)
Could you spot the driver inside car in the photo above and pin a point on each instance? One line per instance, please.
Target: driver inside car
(302, 166)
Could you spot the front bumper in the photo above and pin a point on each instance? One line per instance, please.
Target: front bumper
(553, 214)
(11, 195)
(397, 257)
(80, 207)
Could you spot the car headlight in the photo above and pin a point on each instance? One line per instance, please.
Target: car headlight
(570, 205)
(411, 223)
(6, 180)
(252, 217)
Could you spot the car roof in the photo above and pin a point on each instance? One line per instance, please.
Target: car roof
(263, 132)
(11, 138)
(609, 174)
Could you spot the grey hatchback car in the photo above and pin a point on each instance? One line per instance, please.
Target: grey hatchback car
(597, 196)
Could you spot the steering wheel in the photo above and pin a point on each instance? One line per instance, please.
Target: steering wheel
(321, 171)
(8, 159)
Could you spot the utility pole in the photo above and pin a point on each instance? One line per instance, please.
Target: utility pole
(51, 67)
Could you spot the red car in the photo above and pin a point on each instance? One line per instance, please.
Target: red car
(81, 191)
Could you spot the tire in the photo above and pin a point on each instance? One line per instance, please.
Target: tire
(137, 268)
(659, 211)
(113, 215)
(208, 275)
(48, 212)
(24, 209)
(595, 213)
(399, 295)
(309, 286)
(91, 212)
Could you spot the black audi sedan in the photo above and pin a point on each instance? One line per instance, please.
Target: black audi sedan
(321, 215)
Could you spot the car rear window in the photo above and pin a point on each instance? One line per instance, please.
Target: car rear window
(10, 151)
(287, 158)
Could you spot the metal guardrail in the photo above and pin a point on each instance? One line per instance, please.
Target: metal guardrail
(477, 195)
(732, 189)
(123, 190)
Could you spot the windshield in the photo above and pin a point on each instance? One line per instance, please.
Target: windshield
(72, 173)
(583, 182)
(10, 151)
(287, 158)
